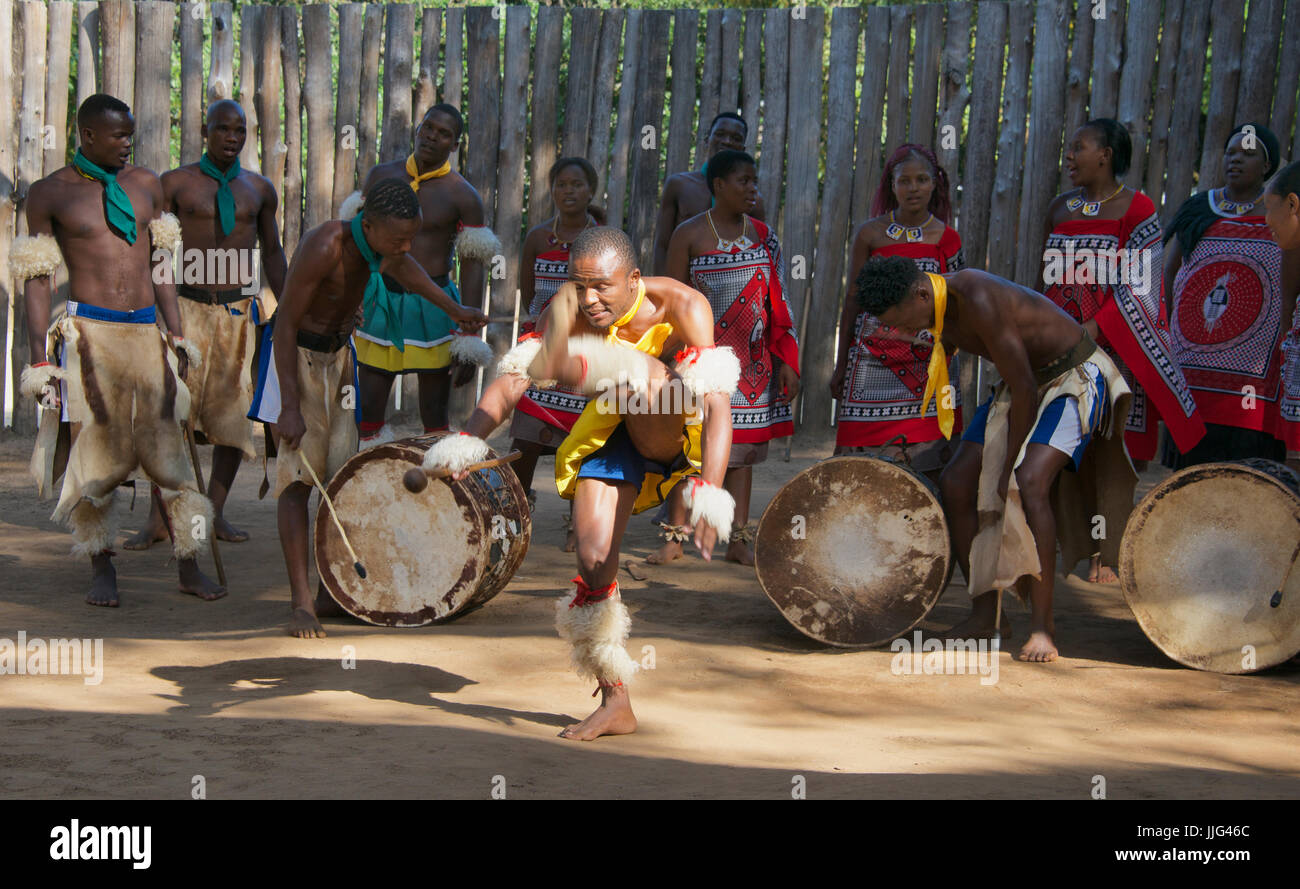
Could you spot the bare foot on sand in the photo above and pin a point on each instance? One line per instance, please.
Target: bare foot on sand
(978, 627)
(1040, 648)
(739, 551)
(228, 532)
(671, 551)
(304, 625)
(103, 584)
(196, 583)
(1099, 573)
(613, 717)
(146, 537)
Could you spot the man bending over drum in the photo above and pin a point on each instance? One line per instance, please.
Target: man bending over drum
(608, 333)
(306, 382)
(1058, 390)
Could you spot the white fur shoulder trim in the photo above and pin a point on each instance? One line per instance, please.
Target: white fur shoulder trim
(456, 451)
(352, 205)
(469, 349)
(478, 243)
(711, 503)
(165, 231)
(516, 362)
(709, 371)
(34, 256)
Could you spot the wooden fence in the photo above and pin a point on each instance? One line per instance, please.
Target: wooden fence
(994, 86)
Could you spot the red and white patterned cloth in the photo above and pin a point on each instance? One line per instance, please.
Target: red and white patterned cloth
(558, 407)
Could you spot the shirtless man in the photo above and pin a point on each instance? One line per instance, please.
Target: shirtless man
(686, 194)
(606, 325)
(114, 377)
(418, 338)
(1058, 391)
(226, 213)
(307, 367)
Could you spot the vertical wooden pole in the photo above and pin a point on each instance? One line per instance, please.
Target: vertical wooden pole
(546, 80)
(1162, 112)
(368, 127)
(1186, 113)
(629, 75)
(751, 78)
(1259, 61)
(319, 103)
(1043, 148)
(1003, 214)
(652, 76)
(190, 22)
(583, 41)
(57, 73)
(31, 155)
(776, 67)
(898, 98)
(1107, 60)
(955, 96)
(270, 93)
(871, 104)
(154, 41)
(351, 21)
(729, 62)
(10, 296)
(1226, 18)
(925, 73)
(710, 82)
(454, 78)
(1076, 81)
(221, 62)
(291, 69)
(510, 165)
(982, 139)
(602, 103)
(88, 78)
(250, 21)
(682, 125)
(1288, 76)
(426, 88)
(803, 111)
(1141, 31)
(117, 30)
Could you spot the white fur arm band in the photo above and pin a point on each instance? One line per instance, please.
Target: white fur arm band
(41, 383)
(34, 256)
(608, 365)
(516, 362)
(191, 351)
(478, 243)
(467, 348)
(351, 205)
(711, 503)
(706, 371)
(454, 452)
(165, 232)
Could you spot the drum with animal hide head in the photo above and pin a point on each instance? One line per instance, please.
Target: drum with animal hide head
(429, 556)
(854, 551)
(1207, 565)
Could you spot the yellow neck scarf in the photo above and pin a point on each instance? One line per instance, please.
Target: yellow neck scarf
(936, 378)
(417, 177)
(631, 313)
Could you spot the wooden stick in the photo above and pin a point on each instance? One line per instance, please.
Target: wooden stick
(1276, 599)
(198, 477)
(356, 563)
(416, 479)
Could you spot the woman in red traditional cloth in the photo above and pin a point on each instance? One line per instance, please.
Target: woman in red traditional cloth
(735, 261)
(879, 380)
(1282, 202)
(544, 417)
(1101, 264)
(1232, 292)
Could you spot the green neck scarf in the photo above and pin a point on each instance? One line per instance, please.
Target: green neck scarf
(381, 315)
(225, 197)
(117, 206)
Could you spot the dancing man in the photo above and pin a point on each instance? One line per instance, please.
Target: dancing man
(650, 424)
(306, 382)
(1058, 391)
(112, 375)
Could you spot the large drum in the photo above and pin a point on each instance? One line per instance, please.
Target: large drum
(854, 551)
(428, 556)
(1206, 565)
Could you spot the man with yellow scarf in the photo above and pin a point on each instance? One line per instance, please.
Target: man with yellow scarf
(650, 424)
(1058, 392)
(403, 333)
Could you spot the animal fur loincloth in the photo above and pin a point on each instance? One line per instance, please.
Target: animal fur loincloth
(221, 388)
(327, 397)
(1004, 550)
(124, 406)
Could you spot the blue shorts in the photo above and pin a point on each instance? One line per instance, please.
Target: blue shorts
(618, 460)
(1058, 424)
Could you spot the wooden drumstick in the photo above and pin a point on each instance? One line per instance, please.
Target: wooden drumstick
(1276, 599)
(416, 479)
(356, 563)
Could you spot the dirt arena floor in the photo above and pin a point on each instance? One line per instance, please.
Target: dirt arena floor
(739, 703)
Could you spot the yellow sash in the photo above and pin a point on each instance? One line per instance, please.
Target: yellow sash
(417, 177)
(936, 377)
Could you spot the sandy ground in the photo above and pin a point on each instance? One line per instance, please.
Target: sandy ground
(739, 703)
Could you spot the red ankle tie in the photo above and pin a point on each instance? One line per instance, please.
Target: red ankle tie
(585, 595)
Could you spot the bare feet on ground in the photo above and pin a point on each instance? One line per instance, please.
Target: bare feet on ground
(1040, 648)
(146, 537)
(978, 626)
(671, 551)
(103, 585)
(1099, 573)
(304, 625)
(613, 717)
(739, 551)
(196, 583)
(228, 532)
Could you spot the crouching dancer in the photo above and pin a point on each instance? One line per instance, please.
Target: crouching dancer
(608, 333)
(1058, 391)
(104, 367)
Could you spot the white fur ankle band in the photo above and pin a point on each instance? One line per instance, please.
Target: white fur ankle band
(710, 503)
(597, 631)
(34, 256)
(467, 348)
(455, 452)
(709, 370)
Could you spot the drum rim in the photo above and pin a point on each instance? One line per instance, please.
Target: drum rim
(1137, 520)
(925, 485)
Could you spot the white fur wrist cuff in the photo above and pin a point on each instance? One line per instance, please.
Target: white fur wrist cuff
(36, 380)
(711, 370)
(516, 362)
(352, 205)
(165, 232)
(711, 503)
(609, 365)
(469, 349)
(34, 256)
(191, 351)
(477, 243)
(455, 452)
